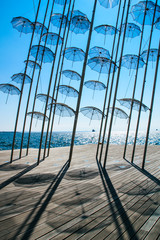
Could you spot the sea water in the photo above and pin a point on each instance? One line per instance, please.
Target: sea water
(61, 139)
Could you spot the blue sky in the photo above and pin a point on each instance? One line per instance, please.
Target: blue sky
(13, 52)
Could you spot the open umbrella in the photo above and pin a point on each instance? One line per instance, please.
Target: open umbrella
(52, 38)
(126, 102)
(99, 52)
(153, 53)
(119, 113)
(106, 30)
(132, 30)
(95, 85)
(43, 98)
(78, 13)
(74, 54)
(9, 89)
(18, 78)
(92, 113)
(39, 27)
(57, 18)
(72, 75)
(102, 65)
(32, 64)
(43, 53)
(68, 91)
(130, 61)
(109, 3)
(38, 116)
(23, 25)
(79, 24)
(138, 11)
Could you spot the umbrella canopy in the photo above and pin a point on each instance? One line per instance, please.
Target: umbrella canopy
(126, 102)
(130, 61)
(78, 13)
(68, 91)
(109, 3)
(74, 54)
(153, 53)
(32, 64)
(157, 23)
(43, 53)
(92, 113)
(106, 30)
(99, 52)
(138, 11)
(19, 77)
(43, 97)
(132, 30)
(38, 116)
(52, 38)
(119, 113)
(9, 89)
(72, 75)
(39, 27)
(95, 85)
(57, 18)
(22, 25)
(61, 2)
(79, 24)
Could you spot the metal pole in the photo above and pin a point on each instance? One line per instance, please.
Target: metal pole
(22, 87)
(116, 87)
(82, 81)
(143, 86)
(106, 93)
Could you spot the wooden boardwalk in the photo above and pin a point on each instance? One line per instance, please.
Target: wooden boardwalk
(84, 201)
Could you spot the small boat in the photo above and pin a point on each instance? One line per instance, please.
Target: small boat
(93, 130)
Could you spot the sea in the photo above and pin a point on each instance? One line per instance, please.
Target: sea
(61, 139)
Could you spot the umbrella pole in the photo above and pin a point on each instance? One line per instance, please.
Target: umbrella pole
(82, 82)
(134, 87)
(49, 144)
(117, 83)
(7, 98)
(151, 107)
(106, 93)
(20, 99)
(143, 86)
(57, 71)
(29, 94)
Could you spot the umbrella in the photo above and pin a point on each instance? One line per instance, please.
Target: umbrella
(62, 110)
(72, 75)
(78, 13)
(22, 25)
(9, 89)
(43, 97)
(18, 78)
(119, 113)
(52, 38)
(39, 27)
(153, 53)
(74, 54)
(126, 102)
(61, 2)
(138, 11)
(56, 20)
(95, 85)
(106, 30)
(102, 65)
(157, 23)
(38, 116)
(130, 61)
(92, 113)
(32, 64)
(109, 3)
(132, 30)
(99, 52)
(43, 53)
(79, 24)
(68, 91)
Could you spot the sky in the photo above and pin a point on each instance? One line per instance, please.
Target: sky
(13, 52)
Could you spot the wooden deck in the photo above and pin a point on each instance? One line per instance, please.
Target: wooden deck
(52, 201)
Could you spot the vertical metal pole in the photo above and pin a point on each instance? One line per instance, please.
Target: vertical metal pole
(50, 81)
(106, 93)
(82, 81)
(22, 87)
(116, 87)
(135, 83)
(143, 86)
(151, 107)
(56, 80)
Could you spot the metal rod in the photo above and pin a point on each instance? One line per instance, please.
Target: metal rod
(143, 86)
(116, 87)
(151, 107)
(22, 87)
(82, 81)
